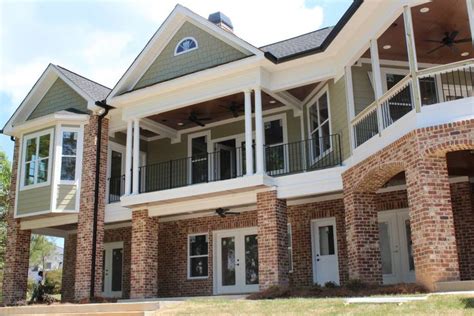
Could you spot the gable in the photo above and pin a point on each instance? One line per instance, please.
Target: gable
(211, 52)
(58, 98)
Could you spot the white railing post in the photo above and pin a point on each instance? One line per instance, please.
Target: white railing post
(259, 131)
(377, 78)
(470, 14)
(128, 158)
(350, 104)
(136, 156)
(412, 60)
(248, 133)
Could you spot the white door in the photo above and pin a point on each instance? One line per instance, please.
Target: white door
(237, 261)
(112, 269)
(324, 241)
(396, 247)
(224, 162)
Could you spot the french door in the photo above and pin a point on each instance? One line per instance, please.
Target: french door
(237, 261)
(112, 269)
(324, 242)
(396, 247)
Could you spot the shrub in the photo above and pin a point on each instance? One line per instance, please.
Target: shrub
(271, 293)
(53, 281)
(356, 285)
(330, 285)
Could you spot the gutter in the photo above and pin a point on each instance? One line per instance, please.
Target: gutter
(106, 108)
(327, 41)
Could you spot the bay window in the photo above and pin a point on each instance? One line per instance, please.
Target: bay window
(69, 139)
(36, 167)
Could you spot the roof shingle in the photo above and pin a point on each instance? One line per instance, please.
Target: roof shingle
(95, 90)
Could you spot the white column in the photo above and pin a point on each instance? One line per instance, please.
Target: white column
(259, 131)
(136, 155)
(412, 61)
(350, 104)
(470, 14)
(128, 158)
(248, 134)
(377, 78)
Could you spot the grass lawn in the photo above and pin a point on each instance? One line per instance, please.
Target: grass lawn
(434, 305)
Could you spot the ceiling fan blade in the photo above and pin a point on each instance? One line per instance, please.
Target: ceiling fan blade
(432, 41)
(453, 35)
(464, 40)
(435, 49)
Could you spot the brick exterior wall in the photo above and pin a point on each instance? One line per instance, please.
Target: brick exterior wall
(272, 240)
(422, 155)
(462, 196)
(300, 217)
(69, 268)
(86, 214)
(15, 273)
(144, 267)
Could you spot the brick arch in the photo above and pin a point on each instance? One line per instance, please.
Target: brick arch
(377, 176)
(441, 149)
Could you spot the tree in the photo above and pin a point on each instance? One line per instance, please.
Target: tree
(40, 249)
(5, 178)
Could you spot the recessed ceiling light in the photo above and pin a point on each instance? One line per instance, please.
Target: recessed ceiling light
(387, 46)
(180, 123)
(425, 10)
(464, 54)
(272, 102)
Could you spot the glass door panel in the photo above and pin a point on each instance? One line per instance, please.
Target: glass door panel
(228, 260)
(117, 260)
(251, 259)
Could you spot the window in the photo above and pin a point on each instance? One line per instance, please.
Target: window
(68, 155)
(186, 45)
(290, 249)
(319, 125)
(275, 155)
(198, 256)
(36, 162)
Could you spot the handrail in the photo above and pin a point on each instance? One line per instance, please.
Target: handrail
(441, 68)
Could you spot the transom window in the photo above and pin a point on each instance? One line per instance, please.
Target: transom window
(36, 163)
(185, 45)
(319, 126)
(68, 155)
(198, 256)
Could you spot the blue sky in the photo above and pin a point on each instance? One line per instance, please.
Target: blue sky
(100, 39)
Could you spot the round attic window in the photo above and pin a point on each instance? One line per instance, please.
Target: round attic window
(185, 45)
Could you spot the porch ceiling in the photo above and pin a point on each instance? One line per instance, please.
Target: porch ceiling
(443, 16)
(210, 111)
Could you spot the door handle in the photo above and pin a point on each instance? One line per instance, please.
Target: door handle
(317, 259)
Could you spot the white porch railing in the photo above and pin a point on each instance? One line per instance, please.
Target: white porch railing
(437, 84)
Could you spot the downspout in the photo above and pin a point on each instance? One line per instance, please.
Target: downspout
(106, 108)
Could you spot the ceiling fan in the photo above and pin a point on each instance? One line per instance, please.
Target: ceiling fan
(449, 40)
(223, 212)
(192, 118)
(234, 108)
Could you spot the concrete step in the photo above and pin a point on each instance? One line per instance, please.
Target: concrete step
(455, 286)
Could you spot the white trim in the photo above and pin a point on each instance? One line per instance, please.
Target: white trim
(470, 14)
(176, 53)
(49, 221)
(394, 63)
(57, 169)
(207, 135)
(290, 247)
(189, 257)
(50, 158)
(316, 199)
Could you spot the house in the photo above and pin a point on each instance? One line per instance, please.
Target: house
(52, 262)
(215, 167)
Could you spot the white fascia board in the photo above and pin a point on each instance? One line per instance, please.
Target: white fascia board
(199, 190)
(49, 221)
(114, 212)
(48, 120)
(159, 128)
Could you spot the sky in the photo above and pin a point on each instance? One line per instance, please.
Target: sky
(100, 39)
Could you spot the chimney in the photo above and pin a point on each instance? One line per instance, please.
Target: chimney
(222, 21)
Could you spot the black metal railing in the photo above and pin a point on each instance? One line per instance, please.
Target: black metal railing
(116, 188)
(307, 155)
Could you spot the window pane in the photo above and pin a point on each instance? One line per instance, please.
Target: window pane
(228, 260)
(325, 136)
(69, 143)
(198, 267)
(326, 240)
(313, 116)
(411, 261)
(68, 168)
(30, 149)
(42, 171)
(198, 245)
(116, 164)
(273, 132)
(29, 173)
(251, 259)
(44, 146)
(323, 107)
(385, 251)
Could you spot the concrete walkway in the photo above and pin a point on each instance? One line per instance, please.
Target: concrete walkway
(399, 299)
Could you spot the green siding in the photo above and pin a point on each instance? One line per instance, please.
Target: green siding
(211, 52)
(34, 200)
(67, 197)
(363, 90)
(59, 97)
(338, 107)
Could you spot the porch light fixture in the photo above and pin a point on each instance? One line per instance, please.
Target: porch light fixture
(425, 10)
(180, 123)
(272, 102)
(464, 54)
(387, 46)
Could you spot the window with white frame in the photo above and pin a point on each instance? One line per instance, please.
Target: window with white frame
(36, 158)
(187, 44)
(319, 125)
(290, 249)
(198, 256)
(69, 139)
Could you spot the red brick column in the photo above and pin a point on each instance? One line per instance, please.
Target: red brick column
(69, 268)
(363, 247)
(431, 221)
(272, 240)
(144, 271)
(463, 212)
(15, 273)
(86, 214)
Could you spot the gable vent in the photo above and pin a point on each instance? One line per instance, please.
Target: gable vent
(221, 20)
